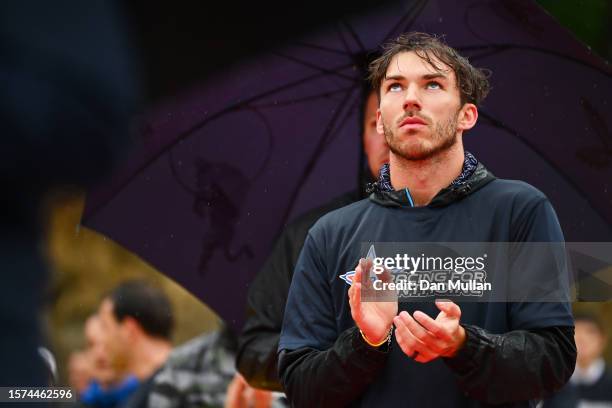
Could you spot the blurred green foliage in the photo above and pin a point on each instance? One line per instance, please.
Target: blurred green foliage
(588, 20)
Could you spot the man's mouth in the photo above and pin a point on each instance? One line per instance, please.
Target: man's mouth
(412, 123)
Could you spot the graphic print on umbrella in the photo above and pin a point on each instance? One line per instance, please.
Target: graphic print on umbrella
(217, 193)
(217, 209)
(296, 110)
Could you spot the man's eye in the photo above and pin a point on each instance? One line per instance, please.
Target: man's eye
(395, 87)
(433, 85)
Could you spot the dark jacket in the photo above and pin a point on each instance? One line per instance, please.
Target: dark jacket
(514, 352)
(258, 344)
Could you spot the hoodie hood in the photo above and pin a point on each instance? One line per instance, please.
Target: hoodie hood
(473, 177)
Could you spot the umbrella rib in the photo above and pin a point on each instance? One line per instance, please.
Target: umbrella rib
(497, 48)
(353, 34)
(320, 48)
(311, 162)
(499, 124)
(351, 108)
(176, 176)
(344, 42)
(483, 54)
(316, 67)
(299, 100)
(411, 16)
(266, 123)
(279, 89)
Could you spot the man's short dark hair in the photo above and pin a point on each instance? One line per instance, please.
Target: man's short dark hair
(145, 303)
(472, 83)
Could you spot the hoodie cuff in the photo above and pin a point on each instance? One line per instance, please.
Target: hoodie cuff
(464, 360)
(359, 344)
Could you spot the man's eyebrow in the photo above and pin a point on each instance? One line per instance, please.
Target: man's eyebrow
(434, 76)
(394, 77)
(398, 77)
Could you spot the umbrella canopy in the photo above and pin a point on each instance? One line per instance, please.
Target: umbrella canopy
(219, 170)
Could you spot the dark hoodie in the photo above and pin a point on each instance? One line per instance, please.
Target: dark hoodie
(514, 352)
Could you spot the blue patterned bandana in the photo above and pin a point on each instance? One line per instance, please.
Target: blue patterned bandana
(469, 166)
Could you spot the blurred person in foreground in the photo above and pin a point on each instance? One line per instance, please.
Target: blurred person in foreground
(336, 350)
(257, 353)
(136, 321)
(68, 92)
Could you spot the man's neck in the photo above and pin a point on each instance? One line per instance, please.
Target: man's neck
(425, 178)
(149, 355)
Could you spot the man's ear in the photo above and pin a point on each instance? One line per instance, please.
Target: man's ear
(379, 124)
(131, 327)
(468, 115)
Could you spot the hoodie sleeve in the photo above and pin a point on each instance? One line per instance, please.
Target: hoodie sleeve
(319, 364)
(538, 356)
(334, 377)
(258, 343)
(514, 366)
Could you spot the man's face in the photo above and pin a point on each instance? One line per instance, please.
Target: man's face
(80, 370)
(114, 339)
(419, 107)
(97, 349)
(590, 342)
(374, 144)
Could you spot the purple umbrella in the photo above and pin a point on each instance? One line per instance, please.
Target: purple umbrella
(219, 170)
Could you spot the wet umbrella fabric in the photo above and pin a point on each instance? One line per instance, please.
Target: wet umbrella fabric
(219, 170)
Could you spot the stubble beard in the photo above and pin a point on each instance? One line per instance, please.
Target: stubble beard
(444, 136)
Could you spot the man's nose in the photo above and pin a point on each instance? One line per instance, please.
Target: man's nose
(412, 100)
